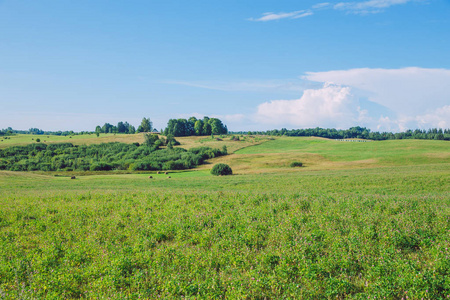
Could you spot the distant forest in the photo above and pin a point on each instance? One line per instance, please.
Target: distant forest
(357, 133)
(9, 132)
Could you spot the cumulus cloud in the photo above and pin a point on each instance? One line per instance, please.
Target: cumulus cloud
(270, 16)
(439, 118)
(406, 91)
(330, 106)
(381, 99)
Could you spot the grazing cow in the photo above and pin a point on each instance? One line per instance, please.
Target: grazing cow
(150, 177)
(169, 177)
(73, 177)
(166, 173)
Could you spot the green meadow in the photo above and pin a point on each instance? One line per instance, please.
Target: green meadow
(85, 139)
(359, 220)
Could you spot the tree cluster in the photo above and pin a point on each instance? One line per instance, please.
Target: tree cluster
(124, 127)
(194, 126)
(9, 131)
(359, 133)
(102, 157)
(153, 140)
(6, 132)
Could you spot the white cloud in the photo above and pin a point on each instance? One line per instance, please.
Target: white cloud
(305, 14)
(408, 91)
(440, 118)
(270, 16)
(321, 5)
(380, 99)
(330, 106)
(371, 6)
(364, 7)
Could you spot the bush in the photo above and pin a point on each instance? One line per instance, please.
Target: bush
(221, 169)
(101, 167)
(103, 157)
(296, 164)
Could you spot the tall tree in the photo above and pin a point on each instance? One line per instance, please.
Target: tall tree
(121, 127)
(107, 128)
(217, 126)
(198, 127)
(146, 125)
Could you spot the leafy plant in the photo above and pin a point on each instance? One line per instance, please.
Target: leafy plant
(221, 169)
(296, 164)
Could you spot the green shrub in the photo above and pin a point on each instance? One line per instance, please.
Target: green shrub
(221, 169)
(296, 164)
(101, 167)
(103, 157)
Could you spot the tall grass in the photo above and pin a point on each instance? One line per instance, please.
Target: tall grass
(346, 234)
(335, 233)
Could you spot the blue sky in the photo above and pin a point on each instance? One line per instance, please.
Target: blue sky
(70, 65)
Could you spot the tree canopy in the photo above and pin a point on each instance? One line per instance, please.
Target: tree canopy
(146, 125)
(358, 133)
(194, 126)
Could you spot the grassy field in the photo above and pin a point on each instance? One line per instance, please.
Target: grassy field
(324, 154)
(360, 220)
(86, 139)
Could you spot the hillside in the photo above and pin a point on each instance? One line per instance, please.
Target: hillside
(359, 220)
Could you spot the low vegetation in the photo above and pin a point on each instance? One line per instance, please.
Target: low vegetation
(104, 157)
(329, 231)
(221, 170)
(295, 164)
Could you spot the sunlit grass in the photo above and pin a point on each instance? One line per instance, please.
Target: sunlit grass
(86, 139)
(356, 221)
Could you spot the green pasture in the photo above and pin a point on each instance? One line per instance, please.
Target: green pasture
(402, 180)
(85, 139)
(337, 228)
(398, 152)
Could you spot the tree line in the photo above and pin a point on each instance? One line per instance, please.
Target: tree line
(208, 126)
(357, 133)
(175, 127)
(9, 132)
(121, 127)
(124, 127)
